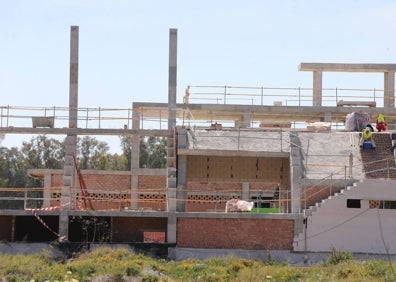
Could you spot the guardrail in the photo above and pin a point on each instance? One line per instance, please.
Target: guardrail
(19, 116)
(277, 96)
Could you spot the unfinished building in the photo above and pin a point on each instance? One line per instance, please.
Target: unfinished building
(324, 190)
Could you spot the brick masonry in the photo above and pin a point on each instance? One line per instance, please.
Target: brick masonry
(235, 233)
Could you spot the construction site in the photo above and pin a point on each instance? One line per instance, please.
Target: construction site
(287, 151)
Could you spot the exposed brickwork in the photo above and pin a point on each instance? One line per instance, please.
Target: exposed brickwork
(226, 175)
(127, 229)
(199, 203)
(152, 182)
(57, 180)
(379, 159)
(235, 233)
(152, 201)
(107, 182)
(6, 227)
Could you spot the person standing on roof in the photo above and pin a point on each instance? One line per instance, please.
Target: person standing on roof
(381, 125)
(367, 136)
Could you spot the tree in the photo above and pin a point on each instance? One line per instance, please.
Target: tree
(153, 151)
(157, 152)
(43, 152)
(93, 154)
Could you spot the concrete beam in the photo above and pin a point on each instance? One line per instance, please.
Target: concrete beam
(342, 67)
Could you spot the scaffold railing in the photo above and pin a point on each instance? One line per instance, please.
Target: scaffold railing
(286, 96)
(97, 118)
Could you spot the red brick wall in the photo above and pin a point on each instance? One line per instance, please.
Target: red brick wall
(6, 227)
(152, 182)
(127, 229)
(107, 182)
(230, 233)
(152, 191)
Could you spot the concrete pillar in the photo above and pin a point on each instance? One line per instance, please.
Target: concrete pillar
(389, 89)
(181, 192)
(171, 154)
(73, 87)
(171, 228)
(317, 88)
(47, 192)
(244, 121)
(247, 119)
(245, 191)
(71, 139)
(135, 157)
(327, 117)
(296, 174)
(63, 225)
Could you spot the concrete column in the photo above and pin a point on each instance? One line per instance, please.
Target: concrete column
(245, 191)
(181, 192)
(64, 225)
(171, 228)
(245, 120)
(47, 192)
(171, 154)
(296, 174)
(317, 88)
(69, 174)
(389, 89)
(135, 139)
(135, 157)
(327, 117)
(73, 87)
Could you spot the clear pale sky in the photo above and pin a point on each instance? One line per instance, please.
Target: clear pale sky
(123, 46)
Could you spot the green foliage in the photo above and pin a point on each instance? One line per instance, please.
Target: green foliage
(270, 260)
(337, 257)
(92, 229)
(152, 151)
(122, 265)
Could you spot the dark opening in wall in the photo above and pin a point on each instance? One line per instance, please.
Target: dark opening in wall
(30, 229)
(262, 202)
(89, 229)
(353, 203)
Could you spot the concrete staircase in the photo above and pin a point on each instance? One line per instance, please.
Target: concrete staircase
(377, 161)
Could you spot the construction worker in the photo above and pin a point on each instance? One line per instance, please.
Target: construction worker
(367, 136)
(381, 125)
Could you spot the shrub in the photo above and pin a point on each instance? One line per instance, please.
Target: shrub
(337, 257)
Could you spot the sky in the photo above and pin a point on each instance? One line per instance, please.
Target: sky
(124, 47)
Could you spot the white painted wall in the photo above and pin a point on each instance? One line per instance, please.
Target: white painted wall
(357, 230)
